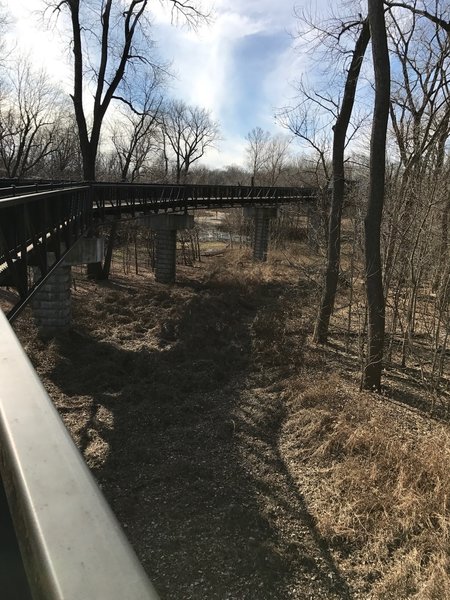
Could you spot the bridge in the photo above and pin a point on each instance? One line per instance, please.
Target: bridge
(58, 537)
(39, 219)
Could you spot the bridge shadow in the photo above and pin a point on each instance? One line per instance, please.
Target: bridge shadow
(185, 446)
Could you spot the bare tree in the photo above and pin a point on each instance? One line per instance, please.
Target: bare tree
(417, 199)
(339, 142)
(135, 133)
(372, 222)
(440, 17)
(64, 162)
(28, 115)
(257, 149)
(324, 120)
(188, 131)
(310, 121)
(277, 158)
(116, 33)
(267, 156)
(311, 124)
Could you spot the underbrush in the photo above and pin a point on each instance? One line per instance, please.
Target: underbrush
(380, 487)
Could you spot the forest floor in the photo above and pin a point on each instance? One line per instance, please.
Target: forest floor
(242, 460)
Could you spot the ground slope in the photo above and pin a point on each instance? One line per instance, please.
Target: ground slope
(223, 444)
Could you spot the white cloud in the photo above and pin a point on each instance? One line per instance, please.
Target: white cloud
(203, 60)
(206, 67)
(279, 84)
(28, 35)
(229, 151)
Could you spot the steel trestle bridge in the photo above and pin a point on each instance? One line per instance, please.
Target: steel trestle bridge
(41, 218)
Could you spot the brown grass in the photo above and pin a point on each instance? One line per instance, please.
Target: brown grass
(382, 487)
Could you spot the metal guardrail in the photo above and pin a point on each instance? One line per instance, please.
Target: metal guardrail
(24, 195)
(131, 198)
(71, 544)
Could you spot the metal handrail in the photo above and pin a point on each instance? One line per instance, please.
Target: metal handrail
(25, 198)
(188, 195)
(129, 197)
(71, 543)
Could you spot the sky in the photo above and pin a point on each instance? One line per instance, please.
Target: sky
(240, 66)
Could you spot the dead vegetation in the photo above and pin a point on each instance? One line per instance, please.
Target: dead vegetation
(242, 460)
(382, 486)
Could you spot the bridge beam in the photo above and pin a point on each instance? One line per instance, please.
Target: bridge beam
(166, 226)
(261, 216)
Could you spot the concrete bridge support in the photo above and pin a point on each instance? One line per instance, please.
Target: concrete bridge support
(166, 227)
(261, 216)
(52, 304)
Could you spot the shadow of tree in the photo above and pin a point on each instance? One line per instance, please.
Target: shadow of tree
(401, 385)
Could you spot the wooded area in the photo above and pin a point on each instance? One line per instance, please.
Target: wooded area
(263, 430)
(152, 137)
(395, 212)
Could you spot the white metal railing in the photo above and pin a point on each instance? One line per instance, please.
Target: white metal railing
(71, 544)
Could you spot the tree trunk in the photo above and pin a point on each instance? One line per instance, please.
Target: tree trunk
(87, 157)
(109, 250)
(334, 229)
(88, 167)
(372, 222)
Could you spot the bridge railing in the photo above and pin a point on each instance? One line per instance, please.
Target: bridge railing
(132, 197)
(21, 189)
(34, 225)
(71, 544)
(42, 224)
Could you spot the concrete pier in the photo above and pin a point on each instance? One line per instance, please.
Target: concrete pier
(166, 227)
(52, 304)
(261, 216)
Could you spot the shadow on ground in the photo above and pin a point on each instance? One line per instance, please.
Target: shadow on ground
(401, 385)
(178, 413)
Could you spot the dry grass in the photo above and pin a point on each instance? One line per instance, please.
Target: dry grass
(382, 487)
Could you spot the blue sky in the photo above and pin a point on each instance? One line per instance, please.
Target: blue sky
(239, 66)
(256, 56)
